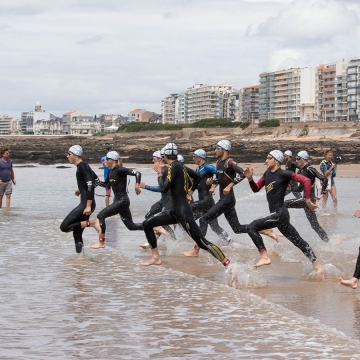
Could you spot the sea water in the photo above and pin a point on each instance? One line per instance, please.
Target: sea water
(107, 306)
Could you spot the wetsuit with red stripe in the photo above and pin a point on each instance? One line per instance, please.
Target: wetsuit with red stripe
(275, 184)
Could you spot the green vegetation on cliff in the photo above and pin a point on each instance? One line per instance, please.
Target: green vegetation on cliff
(270, 123)
(205, 123)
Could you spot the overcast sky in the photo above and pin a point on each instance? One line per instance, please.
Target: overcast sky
(112, 56)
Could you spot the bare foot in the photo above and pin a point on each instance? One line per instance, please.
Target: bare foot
(271, 234)
(96, 226)
(152, 261)
(320, 272)
(161, 230)
(80, 256)
(145, 246)
(98, 245)
(353, 283)
(191, 253)
(262, 261)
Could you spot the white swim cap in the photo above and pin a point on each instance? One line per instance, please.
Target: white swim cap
(303, 154)
(180, 158)
(157, 154)
(162, 151)
(225, 144)
(277, 155)
(288, 153)
(76, 150)
(200, 152)
(113, 155)
(170, 149)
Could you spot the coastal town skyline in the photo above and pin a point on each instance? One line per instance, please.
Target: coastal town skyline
(114, 56)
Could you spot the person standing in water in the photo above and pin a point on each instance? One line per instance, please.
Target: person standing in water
(276, 181)
(176, 180)
(7, 177)
(78, 218)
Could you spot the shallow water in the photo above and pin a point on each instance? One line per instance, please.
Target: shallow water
(107, 306)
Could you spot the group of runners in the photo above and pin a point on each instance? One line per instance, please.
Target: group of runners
(178, 182)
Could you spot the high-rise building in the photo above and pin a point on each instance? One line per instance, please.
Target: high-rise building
(249, 104)
(169, 109)
(287, 95)
(331, 91)
(353, 90)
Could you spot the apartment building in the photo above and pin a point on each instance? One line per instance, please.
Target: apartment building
(169, 109)
(353, 90)
(231, 102)
(331, 100)
(83, 124)
(287, 95)
(36, 121)
(249, 104)
(5, 125)
(139, 115)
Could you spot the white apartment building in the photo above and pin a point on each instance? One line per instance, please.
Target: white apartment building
(353, 90)
(249, 104)
(169, 109)
(331, 92)
(287, 95)
(82, 124)
(5, 125)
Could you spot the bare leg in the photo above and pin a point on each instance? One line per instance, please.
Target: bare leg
(270, 233)
(319, 270)
(107, 199)
(334, 197)
(194, 252)
(101, 243)
(264, 260)
(155, 258)
(8, 201)
(324, 200)
(161, 230)
(353, 282)
(1, 197)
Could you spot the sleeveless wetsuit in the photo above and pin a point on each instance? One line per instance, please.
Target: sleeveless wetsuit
(227, 171)
(176, 180)
(275, 184)
(312, 174)
(86, 179)
(117, 180)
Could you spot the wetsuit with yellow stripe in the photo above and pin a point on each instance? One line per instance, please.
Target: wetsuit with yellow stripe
(176, 180)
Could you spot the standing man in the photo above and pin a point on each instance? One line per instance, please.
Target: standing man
(175, 179)
(276, 180)
(106, 172)
(78, 218)
(310, 172)
(291, 166)
(329, 169)
(7, 177)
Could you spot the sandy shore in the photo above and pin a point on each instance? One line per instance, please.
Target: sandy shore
(344, 170)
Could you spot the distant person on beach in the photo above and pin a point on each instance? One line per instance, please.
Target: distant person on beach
(329, 168)
(106, 171)
(228, 173)
(276, 181)
(310, 172)
(291, 165)
(78, 218)
(7, 177)
(117, 180)
(353, 282)
(175, 179)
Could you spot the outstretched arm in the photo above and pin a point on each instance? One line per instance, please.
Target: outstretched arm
(255, 187)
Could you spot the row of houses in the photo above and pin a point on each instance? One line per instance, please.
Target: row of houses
(328, 92)
(41, 122)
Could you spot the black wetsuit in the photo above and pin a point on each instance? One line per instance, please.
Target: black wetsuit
(275, 184)
(206, 200)
(226, 173)
(312, 174)
(357, 267)
(292, 166)
(117, 180)
(86, 179)
(176, 180)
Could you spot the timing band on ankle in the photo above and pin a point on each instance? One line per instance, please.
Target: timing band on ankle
(196, 246)
(262, 250)
(101, 239)
(87, 223)
(226, 262)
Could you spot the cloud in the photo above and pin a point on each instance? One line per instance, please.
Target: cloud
(91, 40)
(309, 22)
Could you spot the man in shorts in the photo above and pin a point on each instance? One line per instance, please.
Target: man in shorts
(7, 177)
